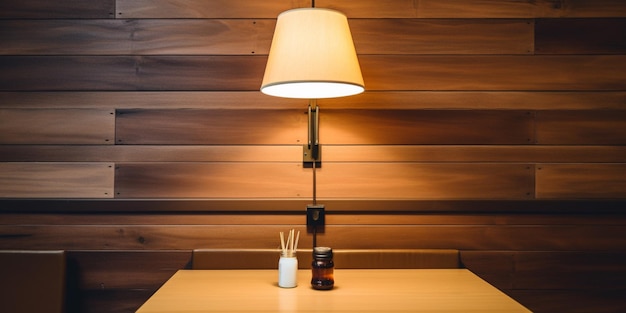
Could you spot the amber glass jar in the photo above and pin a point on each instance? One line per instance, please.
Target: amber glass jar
(323, 268)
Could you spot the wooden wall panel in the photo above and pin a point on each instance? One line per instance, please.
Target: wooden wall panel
(212, 180)
(211, 127)
(57, 9)
(577, 181)
(131, 72)
(430, 100)
(60, 126)
(493, 127)
(56, 180)
(442, 36)
(157, 153)
(146, 37)
(596, 238)
(337, 127)
(376, 126)
(425, 181)
(571, 72)
(474, 153)
(476, 8)
(253, 36)
(332, 153)
(402, 72)
(204, 8)
(581, 127)
(580, 36)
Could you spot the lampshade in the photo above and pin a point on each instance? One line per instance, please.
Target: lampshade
(312, 56)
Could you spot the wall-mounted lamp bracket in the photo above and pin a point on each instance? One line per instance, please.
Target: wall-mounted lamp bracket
(312, 151)
(315, 218)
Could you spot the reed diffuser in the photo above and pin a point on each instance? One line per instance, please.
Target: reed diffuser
(288, 262)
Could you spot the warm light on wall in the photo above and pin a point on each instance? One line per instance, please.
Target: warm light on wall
(312, 57)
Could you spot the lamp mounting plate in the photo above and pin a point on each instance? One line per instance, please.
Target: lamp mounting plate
(308, 156)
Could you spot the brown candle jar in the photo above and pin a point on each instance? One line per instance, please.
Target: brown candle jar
(322, 268)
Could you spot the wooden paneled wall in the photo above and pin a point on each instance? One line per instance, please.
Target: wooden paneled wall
(133, 131)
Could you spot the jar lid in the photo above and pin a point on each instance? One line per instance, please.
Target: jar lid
(323, 253)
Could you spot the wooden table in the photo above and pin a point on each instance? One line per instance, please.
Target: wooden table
(375, 290)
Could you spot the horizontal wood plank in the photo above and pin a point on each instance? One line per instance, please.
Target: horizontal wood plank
(402, 72)
(145, 37)
(161, 237)
(57, 9)
(241, 73)
(373, 8)
(476, 8)
(332, 153)
(204, 8)
(460, 100)
(248, 36)
(425, 181)
(212, 180)
(607, 208)
(578, 127)
(211, 127)
(57, 126)
(580, 36)
(354, 181)
(337, 127)
(396, 127)
(334, 216)
(577, 181)
(56, 180)
(442, 36)
(90, 73)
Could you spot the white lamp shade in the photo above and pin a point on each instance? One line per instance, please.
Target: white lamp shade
(312, 56)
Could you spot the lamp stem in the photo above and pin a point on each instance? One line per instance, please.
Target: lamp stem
(314, 184)
(314, 142)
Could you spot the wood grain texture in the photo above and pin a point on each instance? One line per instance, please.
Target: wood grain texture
(56, 180)
(580, 36)
(438, 72)
(425, 181)
(367, 180)
(577, 181)
(253, 36)
(57, 9)
(160, 237)
(145, 37)
(579, 127)
(376, 127)
(226, 127)
(204, 8)
(459, 100)
(476, 8)
(442, 36)
(337, 127)
(90, 73)
(332, 153)
(398, 72)
(211, 180)
(60, 126)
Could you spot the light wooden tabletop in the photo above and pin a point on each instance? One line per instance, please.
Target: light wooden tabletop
(375, 290)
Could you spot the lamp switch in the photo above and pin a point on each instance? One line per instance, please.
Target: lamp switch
(315, 218)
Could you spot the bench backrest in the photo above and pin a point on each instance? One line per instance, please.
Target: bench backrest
(33, 281)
